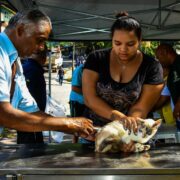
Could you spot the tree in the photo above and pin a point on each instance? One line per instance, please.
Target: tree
(148, 47)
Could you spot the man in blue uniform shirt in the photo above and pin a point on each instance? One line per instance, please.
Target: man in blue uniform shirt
(18, 109)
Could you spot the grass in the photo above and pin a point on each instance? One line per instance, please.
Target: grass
(8, 133)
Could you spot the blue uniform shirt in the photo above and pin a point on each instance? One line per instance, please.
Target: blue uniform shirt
(35, 81)
(77, 81)
(21, 99)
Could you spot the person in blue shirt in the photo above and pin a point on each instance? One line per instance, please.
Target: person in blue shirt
(76, 99)
(76, 96)
(26, 34)
(35, 81)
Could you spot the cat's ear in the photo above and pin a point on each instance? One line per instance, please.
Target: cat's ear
(157, 123)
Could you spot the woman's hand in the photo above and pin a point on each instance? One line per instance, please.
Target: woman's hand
(131, 123)
(127, 121)
(116, 115)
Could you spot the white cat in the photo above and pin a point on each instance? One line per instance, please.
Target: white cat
(110, 137)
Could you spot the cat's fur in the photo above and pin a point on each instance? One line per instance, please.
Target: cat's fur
(110, 137)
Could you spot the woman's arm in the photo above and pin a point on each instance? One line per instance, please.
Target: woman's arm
(148, 98)
(89, 81)
(163, 100)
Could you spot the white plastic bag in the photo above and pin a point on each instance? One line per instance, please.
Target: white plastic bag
(57, 110)
(54, 108)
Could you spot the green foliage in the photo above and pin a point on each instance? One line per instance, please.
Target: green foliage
(84, 46)
(148, 47)
(8, 133)
(177, 45)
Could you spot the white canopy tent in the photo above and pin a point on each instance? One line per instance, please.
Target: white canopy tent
(91, 19)
(80, 20)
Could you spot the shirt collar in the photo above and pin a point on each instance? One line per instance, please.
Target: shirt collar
(9, 47)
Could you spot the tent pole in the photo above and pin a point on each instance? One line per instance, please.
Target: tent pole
(50, 71)
(159, 19)
(50, 54)
(73, 59)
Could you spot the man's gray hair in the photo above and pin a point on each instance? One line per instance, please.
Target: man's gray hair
(32, 16)
(14, 19)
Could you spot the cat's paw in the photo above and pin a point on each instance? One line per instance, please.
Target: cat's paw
(141, 147)
(147, 147)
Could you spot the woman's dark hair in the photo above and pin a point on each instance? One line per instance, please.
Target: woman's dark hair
(125, 22)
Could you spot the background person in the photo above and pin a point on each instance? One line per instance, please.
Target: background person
(61, 75)
(17, 107)
(169, 59)
(164, 107)
(76, 96)
(76, 99)
(35, 81)
(121, 83)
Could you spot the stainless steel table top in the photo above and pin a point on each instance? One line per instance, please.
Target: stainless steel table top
(81, 159)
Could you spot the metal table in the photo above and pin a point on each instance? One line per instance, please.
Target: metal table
(79, 162)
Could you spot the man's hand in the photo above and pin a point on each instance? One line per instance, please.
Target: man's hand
(92, 136)
(80, 126)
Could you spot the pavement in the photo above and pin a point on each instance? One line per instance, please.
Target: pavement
(60, 93)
